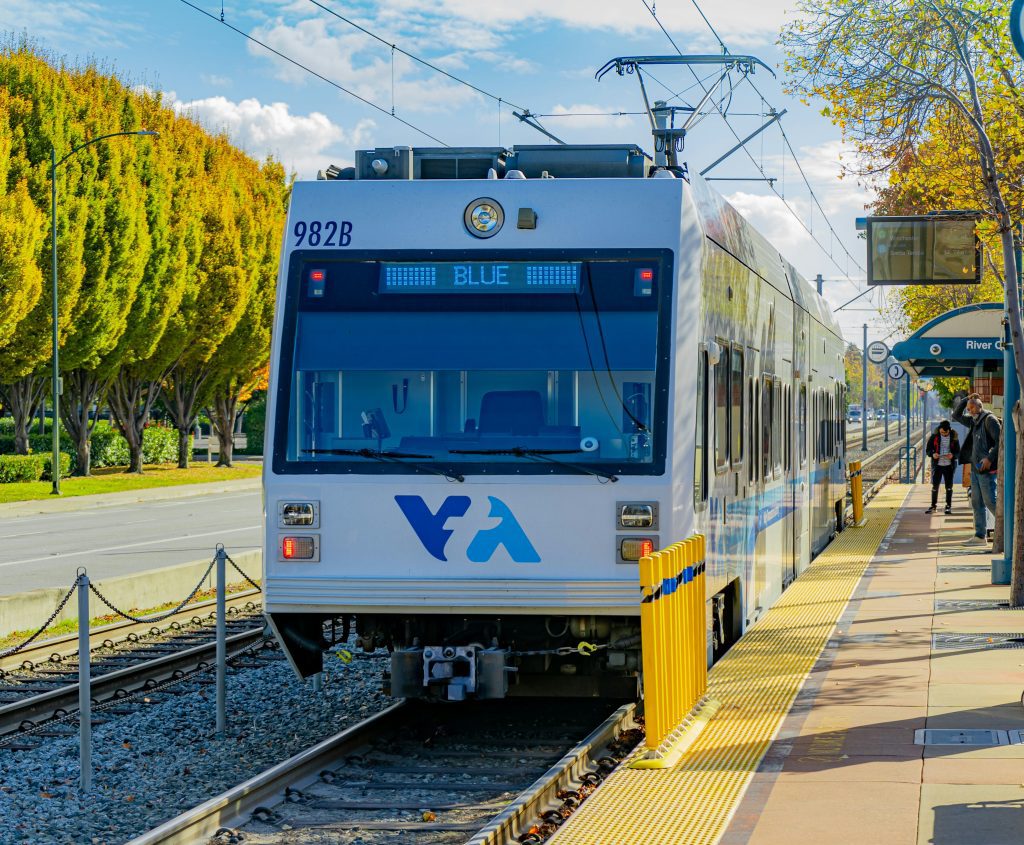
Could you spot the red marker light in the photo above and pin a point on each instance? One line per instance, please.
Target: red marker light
(317, 275)
(646, 548)
(647, 275)
(288, 548)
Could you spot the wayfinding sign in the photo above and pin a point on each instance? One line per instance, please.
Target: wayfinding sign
(878, 351)
(896, 372)
(929, 250)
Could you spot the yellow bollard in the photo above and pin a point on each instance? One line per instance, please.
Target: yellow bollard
(660, 607)
(686, 682)
(691, 638)
(679, 635)
(702, 664)
(647, 635)
(857, 492)
(671, 625)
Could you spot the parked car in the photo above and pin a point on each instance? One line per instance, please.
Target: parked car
(894, 417)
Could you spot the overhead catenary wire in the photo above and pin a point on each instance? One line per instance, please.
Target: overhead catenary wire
(312, 72)
(760, 169)
(396, 49)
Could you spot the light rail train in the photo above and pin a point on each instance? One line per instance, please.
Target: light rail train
(499, 377)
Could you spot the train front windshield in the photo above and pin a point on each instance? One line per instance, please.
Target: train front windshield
(496, 367)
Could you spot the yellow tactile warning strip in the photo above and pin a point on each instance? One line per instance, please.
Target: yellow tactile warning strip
(755, 684)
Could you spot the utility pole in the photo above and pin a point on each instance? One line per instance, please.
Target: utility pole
(864, 394)
(886, 408)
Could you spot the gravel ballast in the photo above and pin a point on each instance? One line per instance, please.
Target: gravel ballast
(153, 764)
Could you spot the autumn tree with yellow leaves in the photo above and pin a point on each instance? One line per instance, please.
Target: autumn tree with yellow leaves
(164, 249)
(930, 94)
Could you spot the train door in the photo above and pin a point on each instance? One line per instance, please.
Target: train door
(801, 486)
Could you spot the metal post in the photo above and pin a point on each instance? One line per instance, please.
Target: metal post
(55, 466)
(864, 395)
(924, 430)
(1002, 569)
(908, 477)
(819, 281)
(222, 647)
(660, 112)
(886, 410)
(318, 682)
(84, 689)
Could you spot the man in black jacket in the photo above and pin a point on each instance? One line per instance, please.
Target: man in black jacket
(943, 449)
(981, 449)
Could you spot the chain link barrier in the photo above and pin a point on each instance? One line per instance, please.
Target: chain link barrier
(22, 646)
(238, 569)
(162, 616)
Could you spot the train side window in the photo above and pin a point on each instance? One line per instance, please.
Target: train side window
(766, 428)
(700, 482)
(722, 409)
(755, 427)
(736, 389)
(802, 431)
(776, 427)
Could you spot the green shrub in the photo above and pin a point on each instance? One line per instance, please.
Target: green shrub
(66, 463)
(15, 468)
(107, 447)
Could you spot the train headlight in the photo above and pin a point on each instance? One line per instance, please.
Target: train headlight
(636, 515)
(634, 548)
(305, 514)
(299, 548)
(484, 217)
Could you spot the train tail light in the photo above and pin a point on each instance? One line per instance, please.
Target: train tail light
(298, 548)
(634, 548)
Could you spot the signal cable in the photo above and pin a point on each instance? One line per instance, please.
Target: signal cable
(319, 76)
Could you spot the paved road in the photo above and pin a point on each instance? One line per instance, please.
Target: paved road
(45, 550)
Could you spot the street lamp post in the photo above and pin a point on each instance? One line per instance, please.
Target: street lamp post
(57, 387)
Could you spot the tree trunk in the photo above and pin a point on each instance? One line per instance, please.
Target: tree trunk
(82, 390)
(131, 399)
(222, 415)
(184, 406)
(22, 398)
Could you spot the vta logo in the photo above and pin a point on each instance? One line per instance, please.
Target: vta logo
(430, 528)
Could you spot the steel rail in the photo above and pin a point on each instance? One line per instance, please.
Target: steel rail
(66, 645)
(233, 807)
(197, 824)
(64, 699)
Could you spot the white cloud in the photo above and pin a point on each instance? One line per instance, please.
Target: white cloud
(303, 143)
(78, 21)
(216, 81)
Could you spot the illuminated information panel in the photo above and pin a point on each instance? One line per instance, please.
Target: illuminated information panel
(923, 251)
(454, 277)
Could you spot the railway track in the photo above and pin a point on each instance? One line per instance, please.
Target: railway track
(487, 773)
(39, 685)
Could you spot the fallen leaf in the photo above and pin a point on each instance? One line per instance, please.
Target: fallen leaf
(429, 816)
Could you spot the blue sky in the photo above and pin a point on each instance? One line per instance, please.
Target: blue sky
(539, 54)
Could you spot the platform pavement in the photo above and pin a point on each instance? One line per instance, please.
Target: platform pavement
(845, 768)
(839, 764)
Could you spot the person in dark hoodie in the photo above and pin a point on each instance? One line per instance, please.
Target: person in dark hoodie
(943, 448)
(981, 448)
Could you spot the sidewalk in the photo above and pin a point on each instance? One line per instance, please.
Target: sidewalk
(923, 644)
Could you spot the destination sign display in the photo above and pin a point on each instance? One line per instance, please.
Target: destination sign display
(923, 251)
(509, 277)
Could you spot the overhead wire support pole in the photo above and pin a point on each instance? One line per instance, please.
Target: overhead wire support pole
(774, 118)
(864, 395)
(84, 690)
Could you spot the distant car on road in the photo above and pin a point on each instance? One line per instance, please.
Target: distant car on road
(880, 414)
(894, 417)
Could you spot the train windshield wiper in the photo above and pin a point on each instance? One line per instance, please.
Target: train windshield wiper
(540, 455)
(389, 458)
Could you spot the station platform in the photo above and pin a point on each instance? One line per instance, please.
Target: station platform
(894, 630)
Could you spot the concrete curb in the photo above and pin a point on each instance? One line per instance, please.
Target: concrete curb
(128, 497)
(27, 611)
